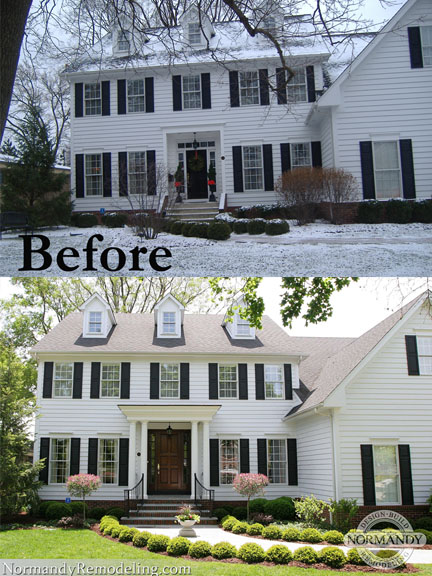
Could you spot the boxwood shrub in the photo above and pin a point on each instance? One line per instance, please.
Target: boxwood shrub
(140, 540)
(425, 522)
(78, 508)
(311, 535)
(158, 543)
(187, 229)
(306, 554)
(219, 231)
(370, 212)
(178, 546)
(333, 537)
(114, 219)
(240, 226)
(256, 226)
(43, 506)
(127, 534)
(422, 212)
(398, 211)
(220, 513)
(84, 220)
(115, 530)
(276, 227)
(228, 523)
(251, 553)
(223, 550)
(257, 505)
(240, 512)
(279, 554)
(354, 557)
(255, 529)
(98, 512)
(199, 230)
(332, 556)
(272, 532)
(176, 227)
(281, 508)
(200, 549)
(389, 554)
(240, 528)
(115, 511)
(291, 535)
(57, 510)
(427, 533)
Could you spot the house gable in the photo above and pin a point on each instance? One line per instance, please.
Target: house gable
(98, 318)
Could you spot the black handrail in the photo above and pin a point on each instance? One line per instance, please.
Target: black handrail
(135, 493)
(203, 490)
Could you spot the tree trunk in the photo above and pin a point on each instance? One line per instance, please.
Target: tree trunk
(13, 17)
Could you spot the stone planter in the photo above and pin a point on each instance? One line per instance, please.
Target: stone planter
(186, 529)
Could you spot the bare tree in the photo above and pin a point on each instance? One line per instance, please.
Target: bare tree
(339, 186)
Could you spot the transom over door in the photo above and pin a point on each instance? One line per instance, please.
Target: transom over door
(169, 462)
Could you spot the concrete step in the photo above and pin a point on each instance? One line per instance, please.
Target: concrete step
(161, 521)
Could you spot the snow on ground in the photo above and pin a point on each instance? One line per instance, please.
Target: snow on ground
(314, 250)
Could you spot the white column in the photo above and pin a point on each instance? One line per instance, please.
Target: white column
(206, 455)
(144, 454)
(132, 453)
(194, 456)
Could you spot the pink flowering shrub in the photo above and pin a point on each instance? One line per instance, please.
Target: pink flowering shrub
(249, 485)
(82, 485)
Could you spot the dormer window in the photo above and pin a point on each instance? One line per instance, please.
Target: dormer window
(243, 328)
(98, 318)
(194, 33)
(123, 41)
(269, 24)
(169, 317)
(169, 323)
(95, 323)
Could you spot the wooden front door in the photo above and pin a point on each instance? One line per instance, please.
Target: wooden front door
(169, 462)
(196, 165)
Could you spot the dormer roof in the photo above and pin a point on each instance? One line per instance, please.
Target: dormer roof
(104, 303)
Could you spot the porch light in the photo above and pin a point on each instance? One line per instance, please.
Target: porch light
(195, 144)
(169, 430)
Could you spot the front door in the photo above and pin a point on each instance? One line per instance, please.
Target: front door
(169, 462)
(196, 164)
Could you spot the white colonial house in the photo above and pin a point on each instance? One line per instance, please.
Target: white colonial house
(222, 99)
(183, 402)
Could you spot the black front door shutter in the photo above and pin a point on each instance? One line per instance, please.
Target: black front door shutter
(268, 167)
(79, 108)
(44, 453)
(205, 91)
(285, 157)
(288, 382)
(154, 381)
(213, 382)
(234, 89)
(48, 379)
(243, 381)
(292, 461)
(281, 86)
(125, 380)
(238, 168)
(316, 154)
(415, 47)
(259, 382)
(79, 171)
(184, 381)
(177, 92)
(244, 456)
(106, 98)
(95, 379)
(92, 456)
(124, 462)
(214, 462)
(368, 475)
(412, 355)
(367, 169)
(121, 96)
(264, 87)
(407, 164)
(75, 456)
(106, 159)
(406, 475)
(123, 174)
(149, 94)
(151, 173)
(77, 380)
(262, 456)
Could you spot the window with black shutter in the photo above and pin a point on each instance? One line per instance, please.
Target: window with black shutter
(154, 381)
(44, 450)
(214, 462)
(48, 379)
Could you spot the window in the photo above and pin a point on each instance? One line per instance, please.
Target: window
(301, 155)
(95, 322)
(229, 460)
(387, 169)
(277, 461)
(110, 381)
(274, 381)
(123, 41)
(269, 24)
(296, 87)
(59, 460)
(426, 40)
(249, 88)
(92, 99)
(253, 168)
(63, 378)
(424, 349)
(108, 461)
(169, 381)
(194, 33)
(228, 381)
(136, 95)
(169, 323)
(93, 175)
(191, 92)
(386, 468)
(137, 175)
(243, 328)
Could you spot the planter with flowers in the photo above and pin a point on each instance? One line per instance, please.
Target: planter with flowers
(211, 175)
(187, 518)
(179, 182)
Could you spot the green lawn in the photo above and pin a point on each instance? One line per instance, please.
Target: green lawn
(80, 544)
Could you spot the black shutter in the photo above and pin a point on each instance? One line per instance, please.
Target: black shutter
(238, 168)
(285, 157)
(214, 462)
(77, 380)
(123, 174)
(106, 98)
(121, 96)
(367, 168)
(177, 92)
(368, 474)
(281, 86)
(316, 154)
(259, 382)
(48, 379)
(184, 381)
(412, 355)
(106, 159)
(234, 89)
(407, 164)
(264, 87)
(243, 381)
(95, 379)
(75, 456)
(154, 381)
(268, 167)
(151, 173)
(405, 475)
(244, 456)
(124, 462)
(79, 95)
(205, 91)
(310, 79)
(149, 94)
(213, 382)
(415, 47)
(79, 170)
(262, 456)
(92, 456)
(292, 461)
(125, 380)
(44, 453)
(288, 382)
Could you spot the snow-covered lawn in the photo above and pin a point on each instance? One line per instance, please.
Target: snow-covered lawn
(314, 250)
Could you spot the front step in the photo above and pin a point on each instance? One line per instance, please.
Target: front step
(162, 513)
(166, 521)
(199, 212)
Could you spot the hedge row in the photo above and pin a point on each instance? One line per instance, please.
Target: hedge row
(52, 510)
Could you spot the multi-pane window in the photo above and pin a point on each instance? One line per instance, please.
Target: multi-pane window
(194, 33)
(63, 378)
(424, 350)
(253, 168)
(227, 381)
(269, 24)
(123, 41)
(229, 460)
(95, 322)
(59, 460)
(191, 92)
(169, 381)
(296, 87)
(169, 323)
(249, 88)
(136, 95)
(137, 174)
(243, 327)
(426, 40)
(386, 469)
(110, 381)
(92, 99)
(274, 382)
(108, 460)
(387, 169)
(301, 155)
(277, 461)
(93, 175)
